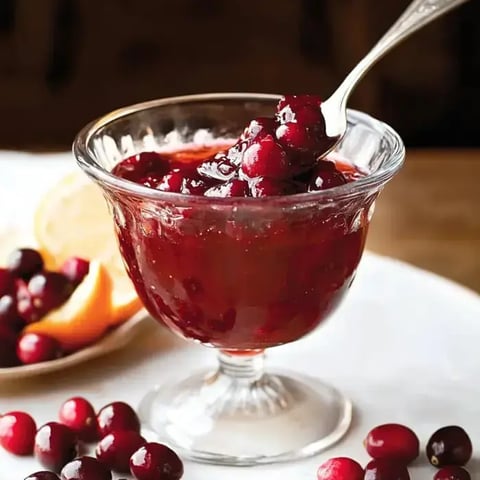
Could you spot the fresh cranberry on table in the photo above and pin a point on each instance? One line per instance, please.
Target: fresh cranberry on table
(79, 414)
(392, 441)
(341, 468)
(117, 416)
(43, 475)
(85, 468)
(6, 282)
(75, 269)
(117, 447)
(25, 262)
(154, 461)
(8, 313)
(17, 433)
(49, 290)
(386, 469)
(55, 445)
(37, 347)
(27, 310)
(453, 472)
(449, 445)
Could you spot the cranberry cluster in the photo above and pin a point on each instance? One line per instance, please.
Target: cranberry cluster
(27, 293)
(393, 447)
(274, 156)
(58, 445)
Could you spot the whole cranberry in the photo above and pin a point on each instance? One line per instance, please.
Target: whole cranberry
(154, 461)
(232, 188)
(17, 433)
(172, 182)
(117, 416)
(26, 307)
(258, 128)
(268, 187)
(55, 445)
(49, 290)
(8, 342)
(449, 446)
(75, 269)
(322, 179)
(8, 313)
(385, 469)
(25, 262)
(452, 473)
(116, 448)
(392, 441)
(79, 414)
(266, 158)
(37, 347)
(85, 468)
(340, 468)
(43, 475)
(6, 282)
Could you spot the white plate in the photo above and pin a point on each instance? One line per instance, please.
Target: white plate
(403, 346)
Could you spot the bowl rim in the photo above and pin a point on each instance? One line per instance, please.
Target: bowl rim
(371, 182)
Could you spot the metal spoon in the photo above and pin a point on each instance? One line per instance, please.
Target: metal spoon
(416, 16)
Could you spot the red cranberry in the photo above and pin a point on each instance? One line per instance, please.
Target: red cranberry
(392, 441)
(116, 448)
(341, 468)
(383, 469)
(232, 188)
(8, 313)
(85, 468)
(266, 158)
(117, 416)
(449, 446)
(49, 290)
(6, 282)
(259, 127)
(172, 182)
(452, 472)
(268, 187)
(36, 348)
(25, 262)
(154, 461)
(17, 433)
(79, 414)
(43, 475)
(8, 342)
(218, 168)
(55, 445)
(138, 166)
(298, 101)
(322, 179)
(26, 307)
(75, 269)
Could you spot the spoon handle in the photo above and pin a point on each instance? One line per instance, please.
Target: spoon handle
(418, 14)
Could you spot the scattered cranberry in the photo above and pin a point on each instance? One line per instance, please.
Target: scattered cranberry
(85, 468)
(8, 313)
(383, 469)
(155, 461)
(116, 448)
(117, 416)
(341, 468)
(55, 445)
(36, 348)
(79, 414)
(49, 290)
(266, 158)
(25, 262)
(25, 303)
(452, 473)
(6, 282)
(8, 342)
(232, 188)
(449, 446)
(75, 269)
(43, 475)
(17, 433)
(392, 441)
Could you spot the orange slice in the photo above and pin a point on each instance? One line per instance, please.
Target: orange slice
(84, 317)
(72, 219)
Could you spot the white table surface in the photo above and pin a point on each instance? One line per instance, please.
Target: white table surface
(404, 346)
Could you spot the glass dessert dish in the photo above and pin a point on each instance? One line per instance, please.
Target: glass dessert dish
(238, 274)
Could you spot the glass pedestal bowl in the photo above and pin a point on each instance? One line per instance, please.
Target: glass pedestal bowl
(239, 275)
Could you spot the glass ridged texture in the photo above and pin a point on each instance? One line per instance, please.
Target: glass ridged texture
(238, 274)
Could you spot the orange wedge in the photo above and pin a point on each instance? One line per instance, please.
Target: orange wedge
(83, 318)
(72, 219)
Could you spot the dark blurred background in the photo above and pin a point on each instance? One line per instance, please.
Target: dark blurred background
(64, 62)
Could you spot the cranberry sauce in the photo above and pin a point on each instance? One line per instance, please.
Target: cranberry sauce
(251, 275)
